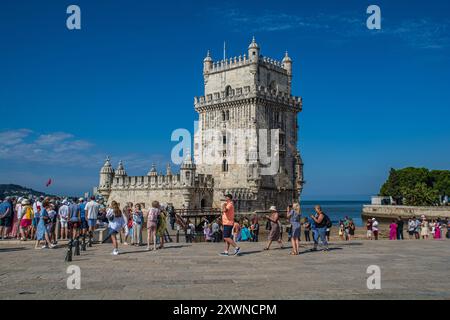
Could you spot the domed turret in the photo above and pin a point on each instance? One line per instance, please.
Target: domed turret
(168, 170)
(287, 63)
(152, 171)
(187, 171)
(106, 178)
(120, 171)
(253, 51)
(207, 63)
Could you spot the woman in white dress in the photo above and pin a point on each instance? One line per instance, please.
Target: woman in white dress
(424, 230)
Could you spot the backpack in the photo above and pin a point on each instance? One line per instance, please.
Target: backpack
(327, 221)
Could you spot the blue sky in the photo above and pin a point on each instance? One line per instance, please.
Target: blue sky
(373, 99)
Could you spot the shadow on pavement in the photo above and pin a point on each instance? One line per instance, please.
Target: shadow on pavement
(12, 249)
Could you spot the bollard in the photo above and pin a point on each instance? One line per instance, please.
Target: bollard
(77, 246)
(83, 244)
(90, 239)
(178, 236)
(69, 251)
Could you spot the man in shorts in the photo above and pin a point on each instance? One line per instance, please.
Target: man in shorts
(83, 220)
(228, 222)
(74, 216)
(92, 208)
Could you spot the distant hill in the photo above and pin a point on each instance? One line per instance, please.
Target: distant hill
(15, 190)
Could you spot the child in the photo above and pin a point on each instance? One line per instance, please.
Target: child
(116, 223)
(138, 219)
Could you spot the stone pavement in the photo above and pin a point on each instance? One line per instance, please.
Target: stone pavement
(409, 270)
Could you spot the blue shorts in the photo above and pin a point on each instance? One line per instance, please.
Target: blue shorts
(92, 222)
(227, 231)
(84, 224)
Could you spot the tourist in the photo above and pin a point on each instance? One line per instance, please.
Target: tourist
(448, 228)
(152, 223)
(437, 231)
(162, 226)
(393, 230)
(37, 207)
(307, 229)
(236, 231)
(320, 221)
(74, 219)
(42, 233)
(369, 229)
(346, 228)
(127, 217)
(274, 234)
(116, 223)
(138, 220)
(207, 233)
(83, 222)
(375, 229)
(255, 229)
(411, 227)
(351, 229)
(417, 229)
(52, 223)
(433, 228)
(228, 222)
(171, 212)
(294, 218)
(245, 232)
(6, 213)
(424, 228)
(25, 218)
(190, 231)
(63, 214)
(400, 229)
(17, 205)
(92, 209)
(215, 228)
(341, 230)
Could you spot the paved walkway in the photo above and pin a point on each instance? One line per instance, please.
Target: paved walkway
(409, 270)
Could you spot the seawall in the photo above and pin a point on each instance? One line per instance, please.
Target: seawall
(385, 213)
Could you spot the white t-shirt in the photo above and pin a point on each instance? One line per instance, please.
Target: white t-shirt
(375, 225)
(63, 212)
(91, 209)
(117, 223)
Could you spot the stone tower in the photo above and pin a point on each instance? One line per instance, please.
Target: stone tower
(247, 100)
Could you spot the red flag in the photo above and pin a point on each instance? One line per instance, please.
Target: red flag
(49, 182)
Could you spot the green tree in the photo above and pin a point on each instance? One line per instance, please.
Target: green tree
(420, 195)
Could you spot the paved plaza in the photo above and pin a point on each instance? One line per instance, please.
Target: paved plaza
(409, 270)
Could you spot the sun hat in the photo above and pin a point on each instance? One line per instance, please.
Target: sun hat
(273, 208)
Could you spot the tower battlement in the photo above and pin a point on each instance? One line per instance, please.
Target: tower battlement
(242, 61)
(204, 102)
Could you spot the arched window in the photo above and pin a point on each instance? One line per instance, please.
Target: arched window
(223, 116)
(224, 165)
(228, 91)
(227, 115)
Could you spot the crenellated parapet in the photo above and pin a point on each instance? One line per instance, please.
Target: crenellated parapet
(242, 61)
(203, 103)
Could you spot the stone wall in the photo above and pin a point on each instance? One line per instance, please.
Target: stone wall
(386, 212)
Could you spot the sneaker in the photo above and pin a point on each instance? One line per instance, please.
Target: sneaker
(115, 252)
(44, 247)
(237, 251)
(148, 248)
(52, 246)
(223, 254)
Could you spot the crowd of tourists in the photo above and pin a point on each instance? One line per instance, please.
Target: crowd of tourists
(46, 220)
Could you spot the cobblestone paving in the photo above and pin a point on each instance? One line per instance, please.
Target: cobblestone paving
(409, 270)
